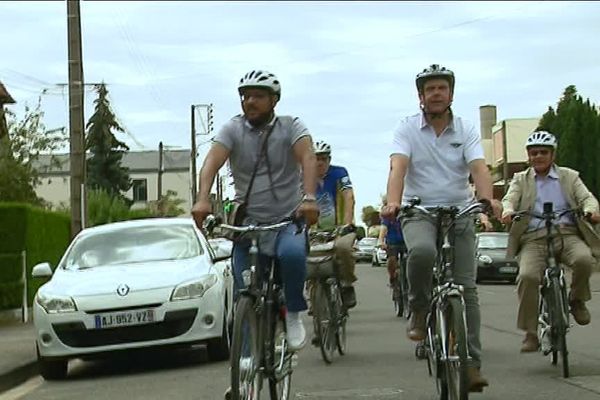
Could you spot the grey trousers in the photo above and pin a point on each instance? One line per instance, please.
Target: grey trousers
(420, 236)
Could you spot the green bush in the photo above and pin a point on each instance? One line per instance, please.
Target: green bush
(103, 208)
(44, 235)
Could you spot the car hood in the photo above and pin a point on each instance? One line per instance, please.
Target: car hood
(494, 254)
(137, 276)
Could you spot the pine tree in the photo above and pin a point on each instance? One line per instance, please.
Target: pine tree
(576, 125)
(104, 170)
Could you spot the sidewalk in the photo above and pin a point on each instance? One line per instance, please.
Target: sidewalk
(18, 357)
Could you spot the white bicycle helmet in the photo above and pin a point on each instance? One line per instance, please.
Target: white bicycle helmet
(541, 138)
(260, 79)
(435, 71)
(322, 148)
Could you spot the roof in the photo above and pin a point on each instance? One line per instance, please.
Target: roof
(136, 161)
(5, 97)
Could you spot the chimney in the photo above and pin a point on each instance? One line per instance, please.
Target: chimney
(487, 119)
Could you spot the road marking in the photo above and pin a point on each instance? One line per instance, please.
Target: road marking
(21, 390)
(350, 393)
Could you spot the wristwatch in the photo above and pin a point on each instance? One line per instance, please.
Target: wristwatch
(309, 197)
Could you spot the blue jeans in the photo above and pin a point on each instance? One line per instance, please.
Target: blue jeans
(290, 249)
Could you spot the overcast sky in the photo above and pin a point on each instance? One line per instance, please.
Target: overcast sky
(347, 68)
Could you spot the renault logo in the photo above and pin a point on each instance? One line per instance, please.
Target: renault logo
(122, 289)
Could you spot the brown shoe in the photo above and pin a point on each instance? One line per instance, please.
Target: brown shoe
(530, 343)
(416, 326)
(476, 381)
(580, 312)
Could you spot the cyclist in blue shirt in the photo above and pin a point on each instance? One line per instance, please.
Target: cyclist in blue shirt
(335, 198)
(392, 241)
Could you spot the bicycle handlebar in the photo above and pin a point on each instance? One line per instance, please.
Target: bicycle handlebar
(212, 222)
(474, 208)
(546, 216)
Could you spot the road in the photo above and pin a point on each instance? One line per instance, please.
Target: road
(380, 362)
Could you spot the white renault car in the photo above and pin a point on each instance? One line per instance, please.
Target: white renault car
(132, 284)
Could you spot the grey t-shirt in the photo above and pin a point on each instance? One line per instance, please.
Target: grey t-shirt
(270, 201)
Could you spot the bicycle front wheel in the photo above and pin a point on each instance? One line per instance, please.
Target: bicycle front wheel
(456, 382)
(340, 316)
(560, 323)
(323, 322)
(246, 353)
(281, 380)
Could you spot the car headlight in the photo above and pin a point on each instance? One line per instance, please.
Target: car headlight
(54, 304)
(193, 289)
(485, 259)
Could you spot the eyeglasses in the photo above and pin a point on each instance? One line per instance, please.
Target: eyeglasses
(255, 96)
(543, 153)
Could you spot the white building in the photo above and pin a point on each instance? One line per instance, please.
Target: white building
(143, 171)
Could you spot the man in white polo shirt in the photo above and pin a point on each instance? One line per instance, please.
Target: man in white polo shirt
(433, 154)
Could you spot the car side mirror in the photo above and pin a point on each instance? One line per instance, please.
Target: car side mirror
(42, 270)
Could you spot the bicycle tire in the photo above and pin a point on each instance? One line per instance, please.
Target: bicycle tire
(322, 315)
(560, 323)
(456, 385)
(397, 295)
(281, 381)
(339, 315)
(245, 385)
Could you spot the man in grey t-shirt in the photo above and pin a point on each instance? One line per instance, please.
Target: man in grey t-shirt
(280, 148)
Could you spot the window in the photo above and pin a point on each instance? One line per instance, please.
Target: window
(140, 190)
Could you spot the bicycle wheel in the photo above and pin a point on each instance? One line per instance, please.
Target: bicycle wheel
(322, 316)
(456, 385)
(404, 290)
(246, 377)
(280, 382)
(397, 295)
(560, 322)
(339, 315)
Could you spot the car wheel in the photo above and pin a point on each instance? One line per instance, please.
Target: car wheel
(52, 370)
(218, 348)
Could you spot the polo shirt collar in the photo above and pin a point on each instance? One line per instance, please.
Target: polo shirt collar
(449, 128)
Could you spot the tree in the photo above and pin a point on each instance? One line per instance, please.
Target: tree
(576, 124)
(368, 214)
(19, 152)
(104, 170)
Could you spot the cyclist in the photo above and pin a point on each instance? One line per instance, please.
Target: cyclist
(276, 190)
(391, 240)
(433, 154)
(335, 198)
(544, 181)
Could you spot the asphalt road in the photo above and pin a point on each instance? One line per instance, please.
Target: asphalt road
(380, 362)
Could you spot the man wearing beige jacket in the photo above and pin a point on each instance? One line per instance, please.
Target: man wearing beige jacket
(577, 246)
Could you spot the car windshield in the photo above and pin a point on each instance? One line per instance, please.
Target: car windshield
(367, 242)
(493, 241)
(133, 245)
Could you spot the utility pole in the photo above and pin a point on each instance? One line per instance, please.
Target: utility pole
(207, 130)
(76, 125)
(160, 170)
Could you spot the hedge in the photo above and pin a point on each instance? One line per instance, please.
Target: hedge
(44, 235)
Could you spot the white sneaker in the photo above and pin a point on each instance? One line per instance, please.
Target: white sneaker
(296, 334)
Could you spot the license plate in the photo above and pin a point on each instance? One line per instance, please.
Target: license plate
(507, 270)
(123, 318)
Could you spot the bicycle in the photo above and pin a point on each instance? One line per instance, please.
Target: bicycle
(329, 313)
(445, 346)
(399, 286)
(553, 310)
(259, 346)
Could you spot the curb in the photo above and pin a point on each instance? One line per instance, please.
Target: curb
(18, 375)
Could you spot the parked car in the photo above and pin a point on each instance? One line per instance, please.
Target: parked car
(365, 248)
(492, 263)
(132, 284)
(379, 257)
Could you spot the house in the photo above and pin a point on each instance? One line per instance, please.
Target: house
(504, 145)
(143, 171)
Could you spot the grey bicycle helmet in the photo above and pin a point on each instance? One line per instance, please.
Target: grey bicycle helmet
(435, 71)
(541, 138)
(260, 79)
(322, 148)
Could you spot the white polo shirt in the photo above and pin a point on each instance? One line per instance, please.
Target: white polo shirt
(438, 170)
